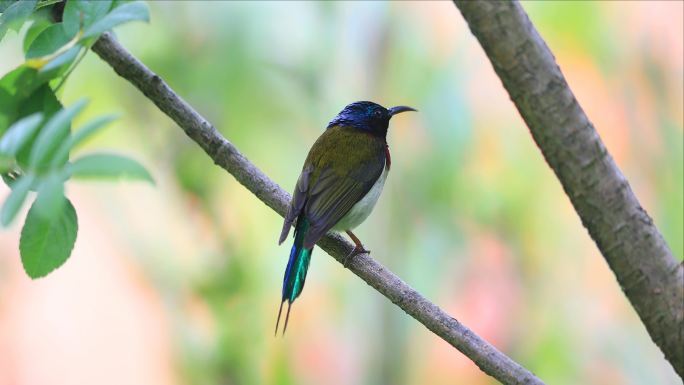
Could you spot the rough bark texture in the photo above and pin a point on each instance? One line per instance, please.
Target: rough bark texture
(227, 156)
(649, 275)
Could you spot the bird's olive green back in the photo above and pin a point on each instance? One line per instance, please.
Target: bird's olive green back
(342, 166)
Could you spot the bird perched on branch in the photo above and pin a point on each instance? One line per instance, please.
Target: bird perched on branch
(340, 183)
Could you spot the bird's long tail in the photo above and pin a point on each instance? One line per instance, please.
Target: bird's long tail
(295, 273)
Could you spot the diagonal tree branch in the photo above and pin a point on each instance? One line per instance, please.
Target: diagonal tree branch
(642, 262)
(227, 156)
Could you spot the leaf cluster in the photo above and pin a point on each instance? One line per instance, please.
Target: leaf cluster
(36, 136)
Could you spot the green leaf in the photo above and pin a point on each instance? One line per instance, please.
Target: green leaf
(15, 200)
(80, 135)
(126, 12)
(4, 4)
(8, 110)
(92, 11)
(45, 244)
(42, 4)
(51, 197)
(63, 60)
(42, 100)
(91, 128)
(21, 95)
(34, 30)
(20, 82)
(48, 41)
(52, 134)
(108, 166)
(19, 134)
(6, 164)
(15, 15)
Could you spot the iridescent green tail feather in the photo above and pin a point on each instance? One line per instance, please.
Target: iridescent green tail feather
(295, 273)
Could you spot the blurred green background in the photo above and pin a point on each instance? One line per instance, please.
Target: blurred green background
(180, 283)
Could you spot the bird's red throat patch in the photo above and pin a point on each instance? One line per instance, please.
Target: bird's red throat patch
(388, 158)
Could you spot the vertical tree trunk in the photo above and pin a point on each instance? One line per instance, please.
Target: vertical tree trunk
(642, 262)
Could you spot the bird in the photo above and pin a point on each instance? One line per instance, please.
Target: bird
(340, 183)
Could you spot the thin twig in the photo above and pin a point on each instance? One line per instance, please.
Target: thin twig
(226, 155)
(71, 69)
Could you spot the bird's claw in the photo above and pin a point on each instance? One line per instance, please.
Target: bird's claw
(356, 251)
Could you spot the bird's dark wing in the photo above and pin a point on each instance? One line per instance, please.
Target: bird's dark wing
(340, 169)
(298, 199)
(346, 165)
(334, 195)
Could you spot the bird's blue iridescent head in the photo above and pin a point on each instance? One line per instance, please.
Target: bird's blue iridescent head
(367, 116)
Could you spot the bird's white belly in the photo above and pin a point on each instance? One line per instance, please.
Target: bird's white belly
(362, 209)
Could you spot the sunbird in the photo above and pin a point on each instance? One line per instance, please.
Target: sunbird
(341, 180)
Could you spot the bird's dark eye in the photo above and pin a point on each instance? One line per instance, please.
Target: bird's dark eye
(377, 113)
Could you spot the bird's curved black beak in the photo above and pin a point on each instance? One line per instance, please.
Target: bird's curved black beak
(399, 109)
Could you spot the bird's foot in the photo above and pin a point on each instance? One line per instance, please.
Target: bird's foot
(356, 251)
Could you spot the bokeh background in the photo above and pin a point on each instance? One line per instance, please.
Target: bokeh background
(179, 283)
